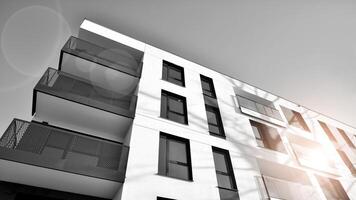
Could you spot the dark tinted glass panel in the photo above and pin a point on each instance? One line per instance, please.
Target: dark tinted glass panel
(220, 162)
(173, 73)
(59, 140)
(174, 107)
(177, 151)
(178, 171)
(224, 172)
(228, 194)
(174, 158)
(86, 146)
(212, 119)
(207, 86)
(224, 181)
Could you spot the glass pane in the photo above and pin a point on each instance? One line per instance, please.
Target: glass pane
(176, 106)
(178, 171)
(228, 194)
(177, 151)
(261, 109)
(247, 104)
(220, 162)
(256, 132)
(58, 139)
(86, 146)
(82, 89)
(212, 118)
(164, 72)
(224, 181)
(177, 118)
(53, 153)
(214, 129)
(163, 106)
(175, 74)
(205, 85)
(175, 81)
(162, 155)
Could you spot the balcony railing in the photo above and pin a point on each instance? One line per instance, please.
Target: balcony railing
(277, 189)
(73, 88)
(260, 108)
(117, 59)
(45, 146)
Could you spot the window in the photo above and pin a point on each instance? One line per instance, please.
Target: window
(173, 107)
(208, 86)
(173, 73)
(257, 104)
(214, 121)
(267, 137)
(174, 157)
(332, 188)
(224, 174)
(163, 198)
(295, 119)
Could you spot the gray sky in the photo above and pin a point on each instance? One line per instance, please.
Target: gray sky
(304, 50)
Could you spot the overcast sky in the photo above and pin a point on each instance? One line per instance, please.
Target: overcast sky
(303, 50)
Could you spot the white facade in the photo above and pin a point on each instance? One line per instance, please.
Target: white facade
(290, 175)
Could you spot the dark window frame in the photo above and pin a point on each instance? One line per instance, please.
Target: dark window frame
(165, 96)
(229, 167)
(210, 82)
(219, 124)
(164, 160)
(166, 67)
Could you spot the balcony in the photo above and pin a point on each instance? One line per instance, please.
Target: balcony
(279, 181)
(278, 189)
(45, 146)
(77, 52)
(72, 102)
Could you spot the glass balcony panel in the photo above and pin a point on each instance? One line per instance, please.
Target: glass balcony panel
(33, 143)
(226, 194)
(82, 91)
(117, 59)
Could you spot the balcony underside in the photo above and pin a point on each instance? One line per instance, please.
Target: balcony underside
(15, 191)
(57, 180)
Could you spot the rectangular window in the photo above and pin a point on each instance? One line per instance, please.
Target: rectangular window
(267, 137)
(173, 73)
(332, 188)
(173, 107)
(295, 119)
(224, 174)
(214, 121)
(208, 86)
(174, 157)
(258, 104)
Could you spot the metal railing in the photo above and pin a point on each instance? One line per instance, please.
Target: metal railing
(55, 148)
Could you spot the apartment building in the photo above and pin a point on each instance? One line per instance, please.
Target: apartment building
(121, 119)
